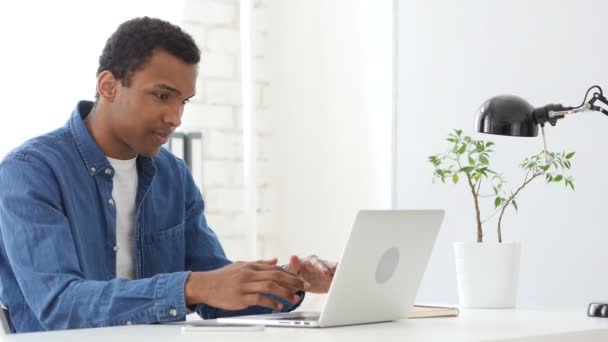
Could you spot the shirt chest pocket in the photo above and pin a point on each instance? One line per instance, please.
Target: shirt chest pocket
(164, 251)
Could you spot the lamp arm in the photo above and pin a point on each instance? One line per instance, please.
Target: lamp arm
(561, 113)
(555, 112)
(598, 97)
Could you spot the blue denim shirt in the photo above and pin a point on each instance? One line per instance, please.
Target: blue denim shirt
(57, 225)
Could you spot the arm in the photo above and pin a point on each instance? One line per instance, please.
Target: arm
(205, 253)
(39, 244)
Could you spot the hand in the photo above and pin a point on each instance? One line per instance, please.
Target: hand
(319, 273)
(242, 284)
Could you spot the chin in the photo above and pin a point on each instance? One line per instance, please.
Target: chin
(149, 153)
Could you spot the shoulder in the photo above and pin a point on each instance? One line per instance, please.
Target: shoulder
(33, 165)
(45, 149)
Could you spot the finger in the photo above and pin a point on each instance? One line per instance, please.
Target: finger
(326, 267)
(314, 264)
(283, 277)
(259, 266)
(272, 261)
(275, 273)
(295, 264)
(274, 288)
(261, 300)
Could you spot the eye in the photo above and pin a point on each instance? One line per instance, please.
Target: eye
(185, 101)
(162, 96)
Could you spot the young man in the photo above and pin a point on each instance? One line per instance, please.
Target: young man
(100, 226)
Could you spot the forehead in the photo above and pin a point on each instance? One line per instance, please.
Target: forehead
(166, 68)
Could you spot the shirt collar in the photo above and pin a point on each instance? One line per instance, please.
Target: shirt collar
(93, 156)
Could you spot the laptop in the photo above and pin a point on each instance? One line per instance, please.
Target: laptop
(378, 275)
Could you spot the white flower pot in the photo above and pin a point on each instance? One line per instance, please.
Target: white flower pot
(487, 274)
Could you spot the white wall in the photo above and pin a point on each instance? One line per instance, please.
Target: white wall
(452, 55)
(49, 57)
(330, 161)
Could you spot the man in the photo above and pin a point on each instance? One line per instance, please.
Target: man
(100, 226)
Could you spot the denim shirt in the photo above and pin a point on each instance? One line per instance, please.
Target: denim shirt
(58, 234)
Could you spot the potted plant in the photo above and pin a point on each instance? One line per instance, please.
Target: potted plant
(487, 272)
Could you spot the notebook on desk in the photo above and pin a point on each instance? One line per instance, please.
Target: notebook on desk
(432, 311)
(378, 275)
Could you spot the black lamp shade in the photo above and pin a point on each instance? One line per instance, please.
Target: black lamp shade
(506, 115)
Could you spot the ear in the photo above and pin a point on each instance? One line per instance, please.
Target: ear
(107, 85)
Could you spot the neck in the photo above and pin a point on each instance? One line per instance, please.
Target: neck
(98, 124)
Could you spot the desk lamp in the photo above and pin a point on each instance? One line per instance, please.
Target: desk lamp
(513, 116)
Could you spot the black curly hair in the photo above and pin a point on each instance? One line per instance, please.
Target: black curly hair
(134, 41)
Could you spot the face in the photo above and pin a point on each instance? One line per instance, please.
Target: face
(142, 115)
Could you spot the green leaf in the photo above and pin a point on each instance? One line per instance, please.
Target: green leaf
(558, 178)
(484, 160)
(497, 202)
(467, 169)
(489, 143)
(458, 131)
(452, 140)
(455, 179)
(462, 149)
(570, 183)
(569, 155)
(471, 161)
(514, 205)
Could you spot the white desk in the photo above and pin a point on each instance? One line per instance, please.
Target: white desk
(472, 325)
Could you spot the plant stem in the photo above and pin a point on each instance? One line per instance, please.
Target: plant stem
(477, 212)
(506, 204)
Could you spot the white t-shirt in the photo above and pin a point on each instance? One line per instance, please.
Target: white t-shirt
(123, 193)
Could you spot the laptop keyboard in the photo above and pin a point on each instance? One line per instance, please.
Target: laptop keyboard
(293, 316)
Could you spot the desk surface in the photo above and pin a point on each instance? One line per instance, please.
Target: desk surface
(472, 325)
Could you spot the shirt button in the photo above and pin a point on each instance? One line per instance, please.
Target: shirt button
(173, 312)
(129, 323)
(111, 201)
(108, 171)
(93, 169)
(115, 248)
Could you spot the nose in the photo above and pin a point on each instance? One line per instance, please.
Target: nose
(173, 117)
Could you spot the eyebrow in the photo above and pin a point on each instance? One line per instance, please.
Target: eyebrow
(171, 89)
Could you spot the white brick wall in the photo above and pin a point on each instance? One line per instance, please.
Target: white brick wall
(211, 12)
(222, 173)
(268, 196)
(216, 112)
(218, 65)
(211, 116)
(223, 40)
(223, 145)
(223, 92)
(214, 25)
